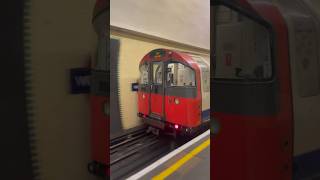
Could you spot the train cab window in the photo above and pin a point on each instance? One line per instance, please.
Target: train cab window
(144, 74)
(242, 47)
(157, 73)
(180, 75)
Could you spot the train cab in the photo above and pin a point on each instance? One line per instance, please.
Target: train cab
(174, 90)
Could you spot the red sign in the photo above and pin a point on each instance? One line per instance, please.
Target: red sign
(228, 58)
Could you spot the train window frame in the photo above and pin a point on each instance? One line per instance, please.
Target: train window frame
(148, 74)
(255, 18)
(186, 65)
(153, 76)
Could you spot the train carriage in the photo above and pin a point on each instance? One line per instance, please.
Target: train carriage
(174, 91)
(266, 90)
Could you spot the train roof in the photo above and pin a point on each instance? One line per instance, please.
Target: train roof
(162, 54)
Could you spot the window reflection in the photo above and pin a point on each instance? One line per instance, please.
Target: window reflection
(180, 75)
(242, 47)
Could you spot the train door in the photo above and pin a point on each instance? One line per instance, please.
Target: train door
(144, 89)
(252, 99)
(156, 90)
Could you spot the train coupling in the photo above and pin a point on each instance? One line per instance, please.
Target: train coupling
(153, 130)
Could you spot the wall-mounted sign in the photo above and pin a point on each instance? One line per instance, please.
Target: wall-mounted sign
(134, 86)
(80, 80)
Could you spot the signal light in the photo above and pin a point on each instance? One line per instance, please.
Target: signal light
(176, 126)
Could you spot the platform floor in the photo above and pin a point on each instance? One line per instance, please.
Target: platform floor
(188, 162)
(196, 168)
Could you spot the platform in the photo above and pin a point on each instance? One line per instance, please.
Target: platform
(190, 161)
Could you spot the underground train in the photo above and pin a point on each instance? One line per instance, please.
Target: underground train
(174, 91)
(266, 96)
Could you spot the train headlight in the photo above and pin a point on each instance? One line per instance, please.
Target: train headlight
(176, 101)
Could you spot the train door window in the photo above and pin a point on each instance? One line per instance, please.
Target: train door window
(180, 75)
(242, 47)
(144, 74)
(306, 58)
(157, 73)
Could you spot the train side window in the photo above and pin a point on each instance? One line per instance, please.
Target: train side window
(243, 47)
(157, 73)
(306, 57)
(180, 75)
(144, 74)
(205, 72)
(206, 80)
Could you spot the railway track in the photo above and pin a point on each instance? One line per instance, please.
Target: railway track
(131, 145)
(133, 151)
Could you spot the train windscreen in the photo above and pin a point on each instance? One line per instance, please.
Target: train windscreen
(180, 75)
(144, 74)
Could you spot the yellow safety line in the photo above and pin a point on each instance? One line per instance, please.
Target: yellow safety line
(182, 161)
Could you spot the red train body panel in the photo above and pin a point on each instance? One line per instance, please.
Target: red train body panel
(156, 104)
(143, 102)
(99, 128)
(186, 115)
(100, 123)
